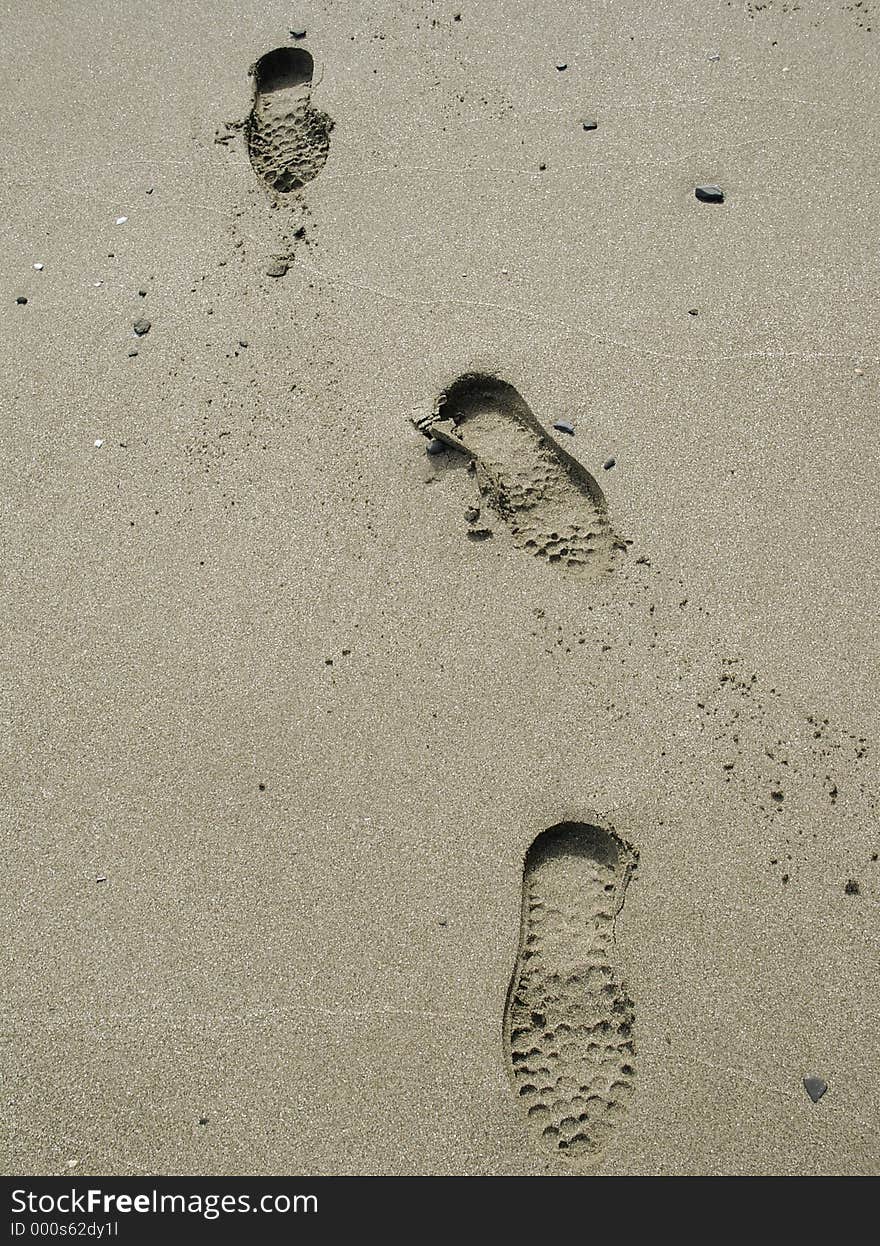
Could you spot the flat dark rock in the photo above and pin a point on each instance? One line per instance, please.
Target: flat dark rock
(815, 1087)
(298, 33)
(563, 426)
(608, 464)
(589, 123)
(709, 193)
(278, 268)
(142, 326)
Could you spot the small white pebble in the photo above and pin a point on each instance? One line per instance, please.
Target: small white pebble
(39, 267)
(860, 371)
(785, 69)
(72, 1163)
(99, 441)
(98, 283)
(120, 220)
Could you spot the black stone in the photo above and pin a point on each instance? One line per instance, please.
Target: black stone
(561, 65)
(709, 194)
(608, 464)
(21, 300)
(472, 514)
(142, 326)
(692, 311)
(815, 1087)
(852, 888)
(590, 124)
(298, 33)
(563, 426)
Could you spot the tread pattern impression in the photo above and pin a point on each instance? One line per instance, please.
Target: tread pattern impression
(288, 140)
(568, 1023)
(551, 503)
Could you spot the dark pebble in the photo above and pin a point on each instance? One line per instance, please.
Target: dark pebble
(142, 326)
(590, 124)
(561, 65)
(608, 464)
(472, 514)
(277, 268)
(21, 300)
(479, 534)
(242, 343)
(709, 194)
(563, 426)
(815, 1087)
(852, 888)
(692, 311)
(298, 33)
(142, 293)
(435, 447)
(203, 1120)
(132, 353)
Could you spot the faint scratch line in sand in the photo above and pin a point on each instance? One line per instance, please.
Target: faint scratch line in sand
(517, 310)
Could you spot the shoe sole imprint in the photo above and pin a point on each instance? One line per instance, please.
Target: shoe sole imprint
(568, 1022)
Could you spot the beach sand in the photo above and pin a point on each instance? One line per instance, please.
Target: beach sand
(279, 736)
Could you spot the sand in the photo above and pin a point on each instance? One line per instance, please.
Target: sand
(278, 736)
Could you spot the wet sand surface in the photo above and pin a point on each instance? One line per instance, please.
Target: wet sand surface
(279, 736)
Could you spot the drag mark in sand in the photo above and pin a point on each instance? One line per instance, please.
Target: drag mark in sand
(568, 1023)
(288, 140)
(552, 505)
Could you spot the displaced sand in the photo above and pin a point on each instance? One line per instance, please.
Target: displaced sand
(278, 736)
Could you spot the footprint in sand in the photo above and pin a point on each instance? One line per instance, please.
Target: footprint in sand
(552, 504)
(568, 1023)
(288, 140)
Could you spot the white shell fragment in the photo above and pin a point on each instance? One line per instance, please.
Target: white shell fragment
(39, 267)
(99, 441)
(120, 220)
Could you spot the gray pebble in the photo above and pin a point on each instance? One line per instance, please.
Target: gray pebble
(435, 447)
(278, 268)
(709, 193)
(242, 343)
(564, 426)
(589, 123)
(132, 353)
(479, 534)
(815, 1087)
(472, 514)
(298, 32)
(21, 300)
(561, 65)
(608, 464)
(142, 326)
